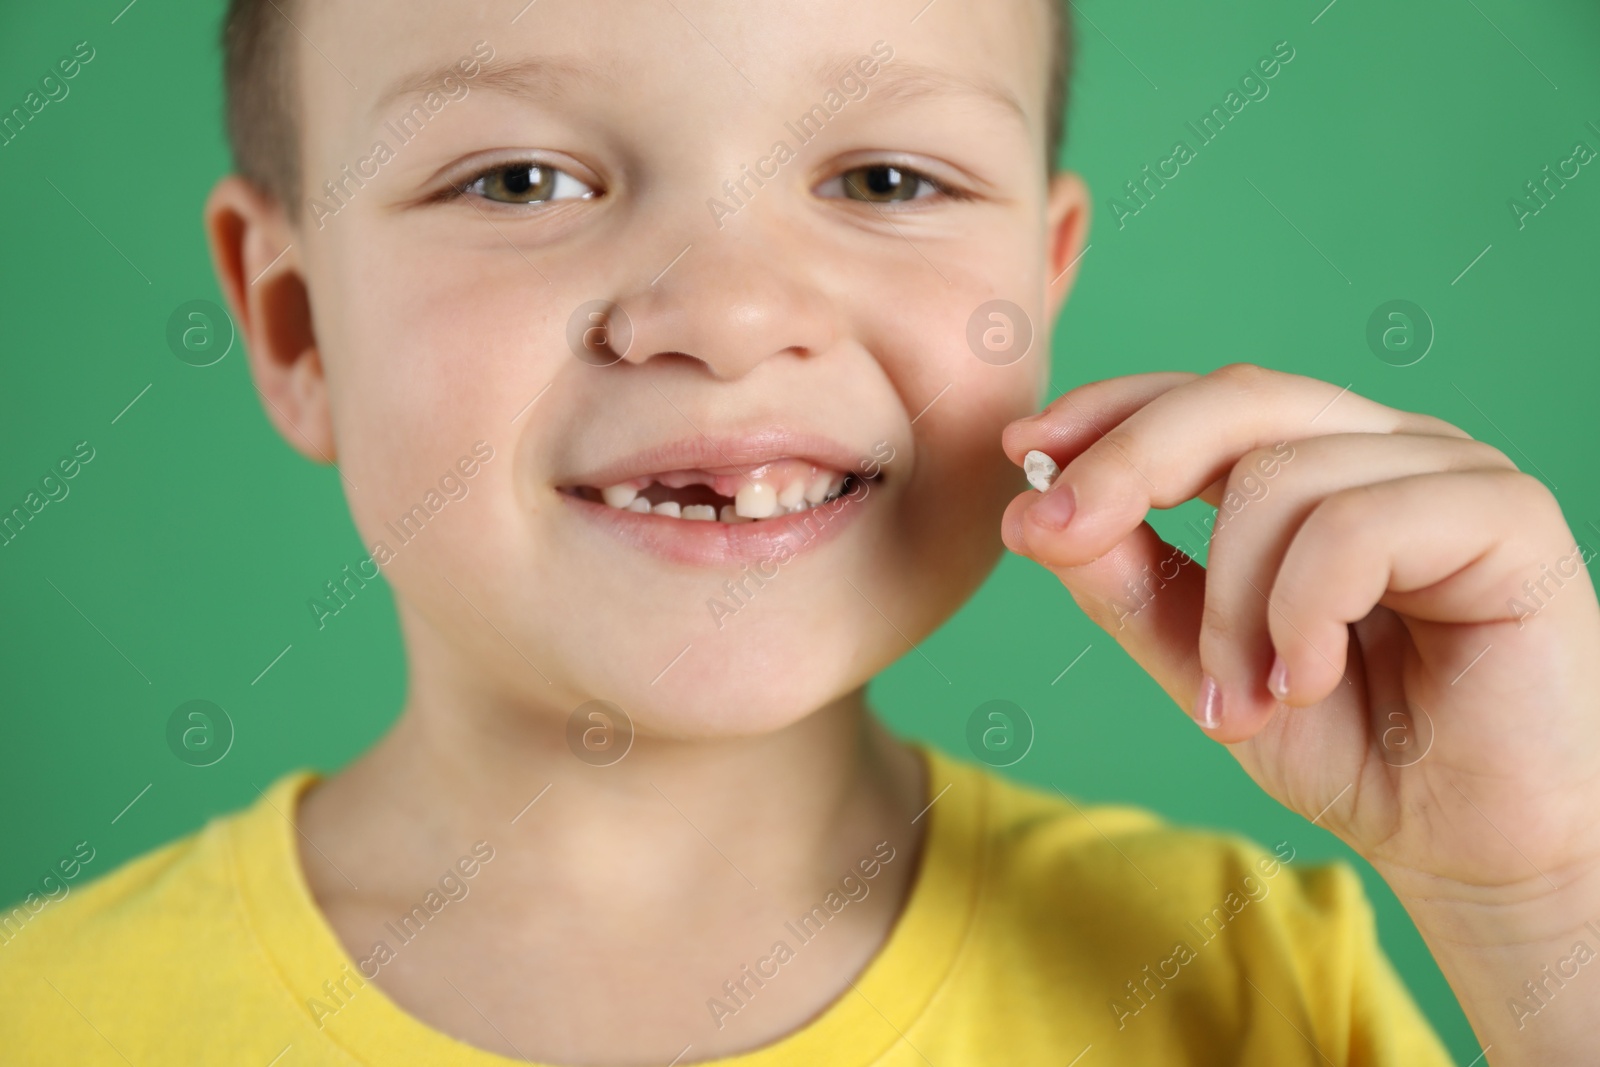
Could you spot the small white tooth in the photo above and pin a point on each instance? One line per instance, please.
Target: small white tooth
(1040, 469)
(792, 494)
(728, 514)
(819, 487)
(639, 505)
(619, 496)
(756, 500)
(669, 508)
(700, 513)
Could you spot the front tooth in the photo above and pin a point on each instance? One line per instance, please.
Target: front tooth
(639, 505)
(700, 513)
(1040, 469)
(818, 489)
(792, 494)
(728, 514)
(669, 508)
(619, 496)
(756, 500)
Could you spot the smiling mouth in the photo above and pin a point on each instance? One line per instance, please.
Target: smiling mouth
(770, 490)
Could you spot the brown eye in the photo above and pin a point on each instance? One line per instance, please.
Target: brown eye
(882, 183)
(527, 183)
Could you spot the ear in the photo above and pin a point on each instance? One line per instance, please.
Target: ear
(1067, 226)
(256, 255)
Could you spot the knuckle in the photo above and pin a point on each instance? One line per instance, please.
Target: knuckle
(1105, 614)
(1222, 628)
(1243, 375)
(1120, 446)
(1537, 496)
(1483, 454)
(1344, 514)
(1255, 465)
(1432, 425)
(1249, 482)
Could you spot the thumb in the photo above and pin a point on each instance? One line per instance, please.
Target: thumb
(1146, 594)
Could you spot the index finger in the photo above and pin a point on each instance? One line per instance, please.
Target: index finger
(1187, 438)
(1077, 418)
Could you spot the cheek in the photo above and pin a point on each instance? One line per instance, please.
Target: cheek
(946, 527)
(425, 356)
(967, 355)
(969, 316)
(947, 523)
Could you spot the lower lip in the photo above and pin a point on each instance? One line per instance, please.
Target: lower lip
(703, 543)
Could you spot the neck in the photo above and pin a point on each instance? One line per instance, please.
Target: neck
(785, 811)
(652, 882)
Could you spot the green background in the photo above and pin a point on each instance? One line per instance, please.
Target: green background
(1379, 167)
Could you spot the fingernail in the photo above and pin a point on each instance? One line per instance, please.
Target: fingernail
(1278, 678)
(1208, 704)
(1054, 509)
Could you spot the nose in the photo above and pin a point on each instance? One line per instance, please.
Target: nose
(729, 302)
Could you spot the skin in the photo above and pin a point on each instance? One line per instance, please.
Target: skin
(398, 332)
(1382, 560)
(1378, 564)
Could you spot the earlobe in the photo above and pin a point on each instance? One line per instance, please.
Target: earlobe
(1067, 231)
(255, 253)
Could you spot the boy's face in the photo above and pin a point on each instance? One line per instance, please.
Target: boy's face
(801, 329)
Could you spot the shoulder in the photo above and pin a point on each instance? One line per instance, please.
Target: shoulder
(1122, 857)
(165, 882)
(164, 928)
(1114, 905)
(1118, 875)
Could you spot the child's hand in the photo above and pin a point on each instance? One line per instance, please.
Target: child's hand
(1436, 635)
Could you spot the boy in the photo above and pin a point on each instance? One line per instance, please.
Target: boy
(673, 287)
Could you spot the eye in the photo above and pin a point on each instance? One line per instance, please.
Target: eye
(527, 183)
(881, 183)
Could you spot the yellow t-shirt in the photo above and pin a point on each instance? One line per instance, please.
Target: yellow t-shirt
(1036, 932)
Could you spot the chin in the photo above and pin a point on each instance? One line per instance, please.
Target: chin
(756, 676)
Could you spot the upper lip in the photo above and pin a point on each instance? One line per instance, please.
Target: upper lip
(726, 453)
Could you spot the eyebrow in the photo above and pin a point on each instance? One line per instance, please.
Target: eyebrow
(551, 78)
(546, 78)
(903, 80)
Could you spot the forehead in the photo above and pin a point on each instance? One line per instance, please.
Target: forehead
(722, 59)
